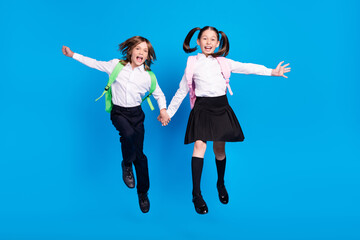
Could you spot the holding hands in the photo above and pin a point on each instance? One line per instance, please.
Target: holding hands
(280, 70)
(163, 117)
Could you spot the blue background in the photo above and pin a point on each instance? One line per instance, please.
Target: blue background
(296, 176)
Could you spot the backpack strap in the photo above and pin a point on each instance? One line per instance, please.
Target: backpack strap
(112, 78)
(152, 89)
(107, 91)
(189, 72)
(225, 70)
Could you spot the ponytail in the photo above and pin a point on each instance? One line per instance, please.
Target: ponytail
(186, 45)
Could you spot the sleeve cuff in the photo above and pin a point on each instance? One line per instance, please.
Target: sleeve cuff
(76, 56)
(170, 113)
(162, 106)
(268, 71)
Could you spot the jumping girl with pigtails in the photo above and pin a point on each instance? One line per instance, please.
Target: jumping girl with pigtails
(130, 79)
(211, 118)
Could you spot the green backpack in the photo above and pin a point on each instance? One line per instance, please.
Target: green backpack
(113, 76)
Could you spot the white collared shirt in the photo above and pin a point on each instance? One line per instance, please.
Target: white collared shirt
(130, 86)
(209, 81)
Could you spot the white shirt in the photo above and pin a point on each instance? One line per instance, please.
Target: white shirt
(130, 86)
(209, 81)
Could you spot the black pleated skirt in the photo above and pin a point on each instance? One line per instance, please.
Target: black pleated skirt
(212, 119)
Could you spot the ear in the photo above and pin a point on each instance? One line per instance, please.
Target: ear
(198, 42)
(217, 45)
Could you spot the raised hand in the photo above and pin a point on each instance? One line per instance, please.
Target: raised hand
(163, 117)
(280, 70)
(67, 52)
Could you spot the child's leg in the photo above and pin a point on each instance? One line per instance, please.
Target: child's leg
(197, 163)
(220, 159)
(127, 134)
(130, 124)
(127, 137)
(141, 162)
(199, 149)
(121, 121)
(142, 171)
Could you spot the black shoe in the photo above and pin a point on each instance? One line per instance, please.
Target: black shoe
(128, 175)
(199, 204)
(144, 202)
(223, 195)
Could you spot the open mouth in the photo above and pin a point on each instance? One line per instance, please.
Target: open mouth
(139, 58)
(208, 48)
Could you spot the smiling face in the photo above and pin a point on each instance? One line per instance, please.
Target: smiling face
(208, 42)
(139, 54)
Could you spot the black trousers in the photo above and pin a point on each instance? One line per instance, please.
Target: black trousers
(130, 124)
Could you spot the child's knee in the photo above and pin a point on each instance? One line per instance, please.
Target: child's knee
(220, 156)
(129, 136)
(219, 152)
(200, 144)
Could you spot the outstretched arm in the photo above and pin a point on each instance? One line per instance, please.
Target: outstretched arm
(280, 70)
(99, 65)
(251, 68)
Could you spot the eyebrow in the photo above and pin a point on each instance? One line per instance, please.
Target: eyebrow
(145, 48)
(209, 36)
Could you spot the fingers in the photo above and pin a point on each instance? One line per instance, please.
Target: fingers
(279, 65)
(283, 69)
(163, 117)
(165, 122)
(64, 50)
(67, 52)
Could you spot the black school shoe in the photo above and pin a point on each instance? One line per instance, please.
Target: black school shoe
(144, 202)
(223, 195)
(128, 175)
(199, 204)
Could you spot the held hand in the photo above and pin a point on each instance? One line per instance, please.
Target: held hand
(160, 119)
(280, 70)
(164, 117)
(67, 52)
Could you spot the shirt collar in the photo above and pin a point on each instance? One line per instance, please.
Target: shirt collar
(202, 56)
(140, 68)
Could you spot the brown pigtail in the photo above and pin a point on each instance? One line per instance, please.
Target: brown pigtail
(186, 45)
(224, 46)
